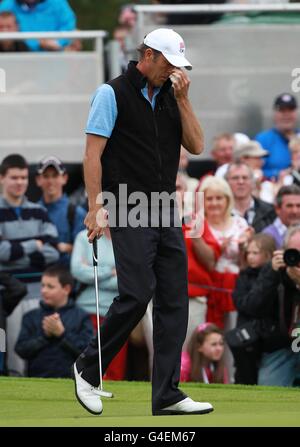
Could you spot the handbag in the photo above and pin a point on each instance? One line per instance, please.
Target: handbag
(243, 336)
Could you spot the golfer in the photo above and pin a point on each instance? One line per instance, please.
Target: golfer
(136, 126)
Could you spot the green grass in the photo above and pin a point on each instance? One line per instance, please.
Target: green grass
(51, 403)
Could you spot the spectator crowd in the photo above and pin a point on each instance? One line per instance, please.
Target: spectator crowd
(244, 292)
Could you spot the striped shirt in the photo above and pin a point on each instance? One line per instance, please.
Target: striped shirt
(19, 232)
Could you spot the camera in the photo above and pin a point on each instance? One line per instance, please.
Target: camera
(292, 257)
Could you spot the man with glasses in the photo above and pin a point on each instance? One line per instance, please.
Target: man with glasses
(258, 214)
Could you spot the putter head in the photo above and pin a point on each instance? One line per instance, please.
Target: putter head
(103, 393)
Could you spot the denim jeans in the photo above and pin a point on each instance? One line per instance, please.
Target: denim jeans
(279, 368)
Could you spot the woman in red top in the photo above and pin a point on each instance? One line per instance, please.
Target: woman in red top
(229, 233)
(199, 279)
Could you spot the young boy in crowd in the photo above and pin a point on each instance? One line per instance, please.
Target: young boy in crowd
(51, 178)
(53, 335)
(28, 241)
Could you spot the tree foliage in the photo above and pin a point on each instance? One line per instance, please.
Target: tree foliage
(97, 14)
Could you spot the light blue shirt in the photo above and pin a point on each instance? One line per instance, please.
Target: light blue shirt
(58, 214)
(104, 110)
(82, 269)
(279, 155)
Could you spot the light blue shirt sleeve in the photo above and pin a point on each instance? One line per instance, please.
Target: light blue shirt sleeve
(103, 113)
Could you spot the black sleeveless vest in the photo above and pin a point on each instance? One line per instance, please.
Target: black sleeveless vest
(143, 150)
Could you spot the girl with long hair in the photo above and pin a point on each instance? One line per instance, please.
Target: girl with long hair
(204, 359)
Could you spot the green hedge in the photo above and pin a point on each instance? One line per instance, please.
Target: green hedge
(97, 14)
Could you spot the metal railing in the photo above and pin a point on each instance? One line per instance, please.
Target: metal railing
(142, 10)
(98, 36)
(216, 8)
(47, 98)
(238, 69)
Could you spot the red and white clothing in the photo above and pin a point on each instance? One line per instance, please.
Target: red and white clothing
(207, 372)
(226, 270)
(199, 280)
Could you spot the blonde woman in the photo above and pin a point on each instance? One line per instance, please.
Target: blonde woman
(230, 233)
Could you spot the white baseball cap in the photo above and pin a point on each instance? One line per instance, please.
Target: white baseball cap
(170, 44)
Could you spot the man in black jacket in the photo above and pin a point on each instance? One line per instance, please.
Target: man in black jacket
(258, 214)
(274, 302)
(136, 126)
(53, 335)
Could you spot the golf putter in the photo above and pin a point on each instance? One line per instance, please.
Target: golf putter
(100, 390)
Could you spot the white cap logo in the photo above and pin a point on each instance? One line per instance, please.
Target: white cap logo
(170, 44)
(286, 98)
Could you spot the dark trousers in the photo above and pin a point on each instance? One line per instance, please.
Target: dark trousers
(150, 263)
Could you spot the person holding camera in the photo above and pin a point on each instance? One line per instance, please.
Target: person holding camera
(281, 366)
(274, 301)
(247, 350)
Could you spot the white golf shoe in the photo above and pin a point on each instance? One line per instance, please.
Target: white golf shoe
(185, 406)
(87, 395)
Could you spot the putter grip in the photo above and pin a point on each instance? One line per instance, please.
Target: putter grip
(95, 252)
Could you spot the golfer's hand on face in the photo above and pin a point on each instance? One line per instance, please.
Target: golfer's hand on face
(181, 83)
(96, 221)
